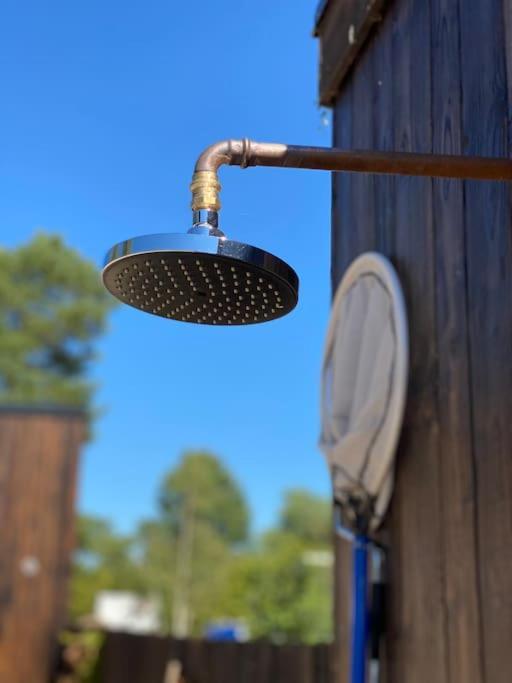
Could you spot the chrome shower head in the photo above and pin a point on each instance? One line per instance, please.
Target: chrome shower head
(200, 277)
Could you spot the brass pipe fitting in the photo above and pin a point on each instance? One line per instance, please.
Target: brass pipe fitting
(205, 188)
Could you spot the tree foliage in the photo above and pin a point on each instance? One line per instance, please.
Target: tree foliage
(53, 308)
(203, 513)
(192, 557)
(306, 516)
(103, 561)
(280, 594)
(196, 586)
(201, 487)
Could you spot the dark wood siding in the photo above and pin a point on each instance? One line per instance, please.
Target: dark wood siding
(38, 460)
(343, 27)
(433, 77)
(143, 659)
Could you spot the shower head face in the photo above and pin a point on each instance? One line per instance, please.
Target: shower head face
(200, 278)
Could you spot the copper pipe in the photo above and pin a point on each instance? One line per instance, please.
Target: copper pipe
(246, 153)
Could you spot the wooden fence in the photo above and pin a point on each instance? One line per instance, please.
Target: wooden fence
(129, 658)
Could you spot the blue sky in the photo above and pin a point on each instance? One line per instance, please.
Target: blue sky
(105, 107)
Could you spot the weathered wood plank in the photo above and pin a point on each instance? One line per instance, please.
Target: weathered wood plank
(343, 248)
(457, 499)
(321, 671)
(223, 662)
(489, 255)
(7, 450)
(127, 657)
(381, 93)
(38, 453)
(416, 640)
(256, 662)
(342, 611)
(355, 227)
(293, 664)
(507, 17)
(342, 234)
(196, 665)
(144, 659)
(451, 519)
(363, 226)
(343, 30)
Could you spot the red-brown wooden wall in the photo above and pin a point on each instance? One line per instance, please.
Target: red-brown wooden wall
(38, 462)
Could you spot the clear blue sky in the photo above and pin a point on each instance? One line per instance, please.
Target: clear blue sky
(104, 108)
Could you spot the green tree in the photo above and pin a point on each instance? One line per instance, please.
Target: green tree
(183, 556)
(200, 487)
(187, 551)
(279, 593)
(306, 516)
(104, 560)
(155, 551)
(194, 561)
(283, 587)
(53, 308)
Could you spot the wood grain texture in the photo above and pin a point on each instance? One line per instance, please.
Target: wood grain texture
(343, 241)
(343, 30)
(489, 255)
(340, 667)
(380, 94)
(433, 77)
(363, 205)
(415, 522)
(342, 235)
(458, 486)
(38, 458)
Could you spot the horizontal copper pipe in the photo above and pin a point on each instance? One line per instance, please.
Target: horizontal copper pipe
(246, 153)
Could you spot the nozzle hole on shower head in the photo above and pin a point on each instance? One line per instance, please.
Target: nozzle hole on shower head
(237, 285)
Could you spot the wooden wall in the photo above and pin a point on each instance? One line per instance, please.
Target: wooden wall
(143, 659)
(38, 460)
(436, 75)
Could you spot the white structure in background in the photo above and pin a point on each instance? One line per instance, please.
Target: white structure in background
(125, 611)
(318, 558)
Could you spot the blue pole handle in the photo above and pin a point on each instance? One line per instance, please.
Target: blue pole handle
(360, 615)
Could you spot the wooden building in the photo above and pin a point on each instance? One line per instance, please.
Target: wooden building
(435, 76)
(38, 462)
